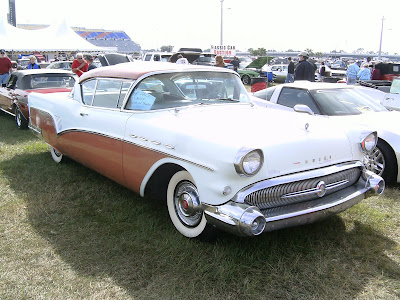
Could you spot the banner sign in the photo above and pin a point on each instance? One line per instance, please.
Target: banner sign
(223, 50)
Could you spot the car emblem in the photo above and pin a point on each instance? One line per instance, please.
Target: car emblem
(321, 187)
(306, 126)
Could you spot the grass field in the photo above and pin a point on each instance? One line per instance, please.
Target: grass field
(67, 232)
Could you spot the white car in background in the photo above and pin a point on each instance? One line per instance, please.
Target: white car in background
(346, 106)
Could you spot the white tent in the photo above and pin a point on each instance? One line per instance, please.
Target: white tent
(56, 37)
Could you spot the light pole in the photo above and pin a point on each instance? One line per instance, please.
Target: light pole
(380, 43)
(222, 4)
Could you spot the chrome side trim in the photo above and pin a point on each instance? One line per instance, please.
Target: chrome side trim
(241, 195)
(141, 146)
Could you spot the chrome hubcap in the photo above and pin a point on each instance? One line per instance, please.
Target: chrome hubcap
(375, 162)
(187, 204)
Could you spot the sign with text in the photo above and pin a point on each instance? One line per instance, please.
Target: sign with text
(223, 50)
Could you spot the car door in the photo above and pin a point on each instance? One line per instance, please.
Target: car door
(93, 131)
(7, 94)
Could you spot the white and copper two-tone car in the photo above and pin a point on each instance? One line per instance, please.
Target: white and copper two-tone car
(192, 135)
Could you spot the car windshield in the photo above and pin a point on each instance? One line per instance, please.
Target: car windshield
(38, 81)
(337, 102)
(172, 90)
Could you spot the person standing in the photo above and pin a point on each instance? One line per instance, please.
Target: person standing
(79, 66)
(182, 60)
(33, 64)
(304, 70)
(219, 61)
(290, 72)
(352, 72)
(364, 73)
(5, 67)
(235, 63)
(89, 60)
(376, 73)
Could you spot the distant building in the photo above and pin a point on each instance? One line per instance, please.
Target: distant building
(99, 37)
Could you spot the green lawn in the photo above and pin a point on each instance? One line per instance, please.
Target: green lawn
(67, 232)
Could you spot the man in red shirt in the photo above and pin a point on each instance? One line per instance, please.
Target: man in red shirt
(79, 66)
(5, 67)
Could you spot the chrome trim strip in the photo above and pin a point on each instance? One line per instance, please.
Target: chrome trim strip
(241, 195)
(314, 190)
(141, 146)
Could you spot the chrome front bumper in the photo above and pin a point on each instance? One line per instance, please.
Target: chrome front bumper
(243, 219)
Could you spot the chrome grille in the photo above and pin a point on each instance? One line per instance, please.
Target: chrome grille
(303, 190)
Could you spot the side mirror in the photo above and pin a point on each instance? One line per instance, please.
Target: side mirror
(301, 108)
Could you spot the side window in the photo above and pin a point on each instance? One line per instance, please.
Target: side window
(88, 89)
(147, 57)
(107, 93)
(290, 97)
(156, 57)
(149, 91)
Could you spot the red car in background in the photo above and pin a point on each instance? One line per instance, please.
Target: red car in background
(14, 96)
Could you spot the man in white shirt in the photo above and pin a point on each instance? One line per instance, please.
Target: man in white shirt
(182, 60)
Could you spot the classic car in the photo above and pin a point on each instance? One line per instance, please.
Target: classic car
(63, 65)
(253, 69)
(191, 135)
(387, 95)
(13, 97)
(344, 105)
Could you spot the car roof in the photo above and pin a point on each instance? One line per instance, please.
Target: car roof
(136, 69)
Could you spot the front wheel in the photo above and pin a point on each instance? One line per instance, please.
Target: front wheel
(22, 123)
(57, 156)
(246, 79)
(184, 207)
(382, 162)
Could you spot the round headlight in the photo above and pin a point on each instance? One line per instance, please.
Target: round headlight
(369, 142)
(249, 162)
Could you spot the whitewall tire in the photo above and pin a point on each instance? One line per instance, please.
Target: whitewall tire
(57, 156)
(184, 206)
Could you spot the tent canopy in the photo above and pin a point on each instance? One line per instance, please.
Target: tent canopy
(56, 37)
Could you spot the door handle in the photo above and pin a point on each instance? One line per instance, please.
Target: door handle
(83, 114)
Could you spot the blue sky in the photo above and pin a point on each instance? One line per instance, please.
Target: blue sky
(319, 24)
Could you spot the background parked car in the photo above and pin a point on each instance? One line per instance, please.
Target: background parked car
(64, 65)
(347, 106)
(13, 97)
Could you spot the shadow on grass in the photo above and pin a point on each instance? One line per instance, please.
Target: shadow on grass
(100, 229)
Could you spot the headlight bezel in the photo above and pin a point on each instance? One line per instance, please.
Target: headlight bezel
(243, 155)
(369, 142)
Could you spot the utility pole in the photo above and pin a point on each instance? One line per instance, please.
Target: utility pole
(222, 3)
(380, 43)
(11, 14)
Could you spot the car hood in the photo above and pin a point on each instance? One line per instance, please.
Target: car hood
(384, 121)
(259, 62)
(290, 142)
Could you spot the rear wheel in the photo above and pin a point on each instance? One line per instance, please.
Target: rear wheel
(22, 123)
(184, 207)
(57, 156)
